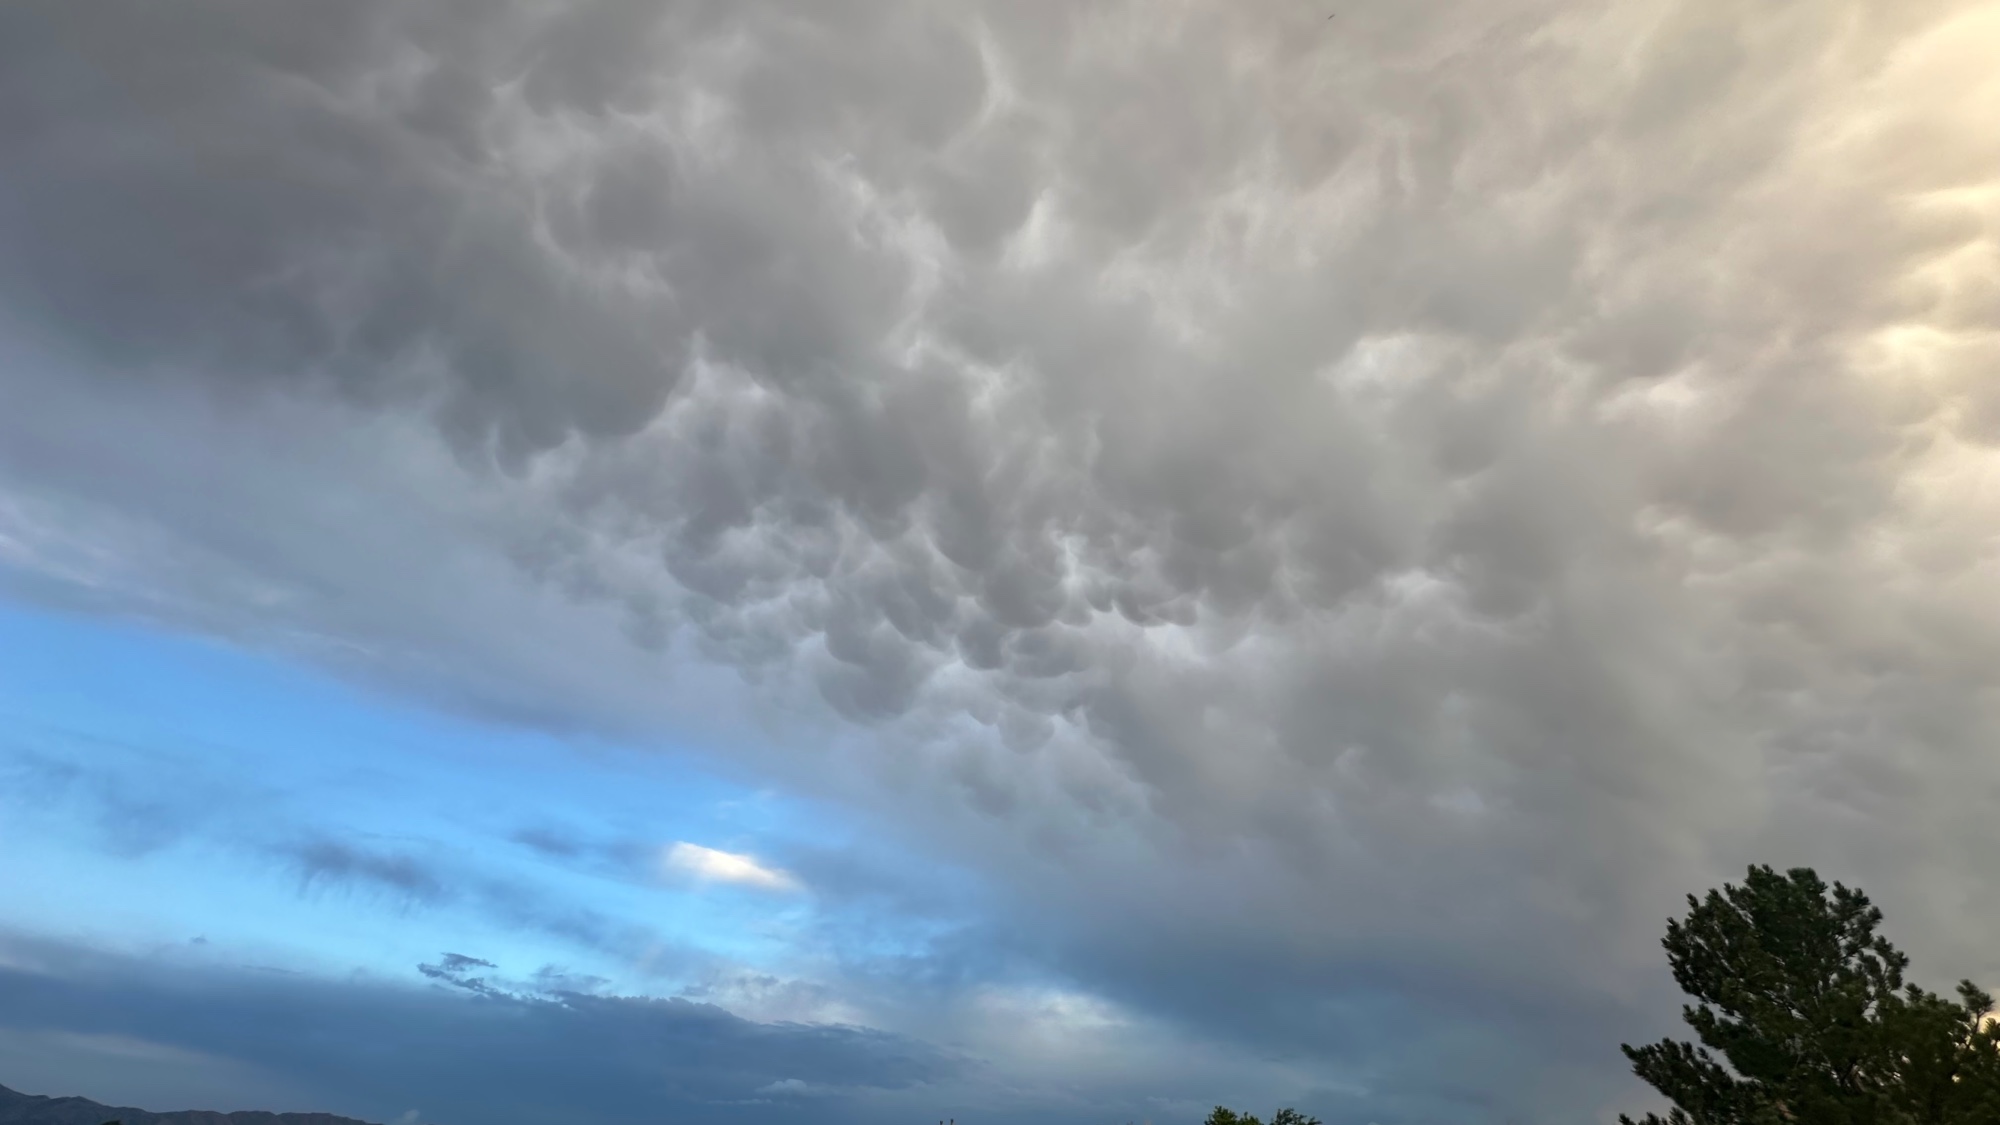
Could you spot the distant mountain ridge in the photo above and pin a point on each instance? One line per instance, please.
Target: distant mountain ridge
(17, 1108)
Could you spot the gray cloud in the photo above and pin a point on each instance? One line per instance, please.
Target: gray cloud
(423, 879)
(627, 859)
(324, 861)
(1299, 508)
(476, 1054)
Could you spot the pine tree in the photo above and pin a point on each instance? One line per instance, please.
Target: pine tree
(1804, 1019)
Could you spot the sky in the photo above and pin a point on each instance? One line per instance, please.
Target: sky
(575, 562)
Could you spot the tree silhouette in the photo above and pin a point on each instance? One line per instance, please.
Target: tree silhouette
(1223, 1115)
(1804, 1018)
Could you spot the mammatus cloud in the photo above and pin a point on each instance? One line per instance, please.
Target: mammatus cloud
(1338, 523)
(710, 865)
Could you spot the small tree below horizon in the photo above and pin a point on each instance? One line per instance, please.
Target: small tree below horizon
(1804, 1018)
(1223, 1115)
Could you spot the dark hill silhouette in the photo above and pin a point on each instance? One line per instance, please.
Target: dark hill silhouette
(17, 1108)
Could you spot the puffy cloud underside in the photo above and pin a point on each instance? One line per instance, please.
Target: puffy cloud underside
(1303, 506)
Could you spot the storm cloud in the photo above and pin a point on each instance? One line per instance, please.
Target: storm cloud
(1337, 522)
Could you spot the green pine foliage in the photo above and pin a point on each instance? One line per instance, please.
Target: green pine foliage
(1804, 1018)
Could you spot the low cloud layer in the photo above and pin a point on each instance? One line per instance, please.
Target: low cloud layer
(465, 1051)
(1338, 522)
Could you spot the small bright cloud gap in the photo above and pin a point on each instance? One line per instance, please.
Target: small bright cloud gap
(614, 561)
(725, 867)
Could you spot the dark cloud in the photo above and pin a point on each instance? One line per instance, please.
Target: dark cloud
(425, 880)
(405, 876)
(1285, 504)
(469, 1054)
(452, 964)
(627, 859)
